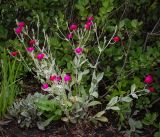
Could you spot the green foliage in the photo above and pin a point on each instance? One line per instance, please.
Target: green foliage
(123, 64)
(143, 103)
(135, 127)
(25, 111)
(8, 88)
(49, 110)
(3, 32)
(34, 110)
(150, 118)
(157, 134)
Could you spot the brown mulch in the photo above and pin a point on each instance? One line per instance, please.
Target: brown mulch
(60, 129)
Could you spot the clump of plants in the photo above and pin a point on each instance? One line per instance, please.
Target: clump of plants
(72, 91)
(34, 110)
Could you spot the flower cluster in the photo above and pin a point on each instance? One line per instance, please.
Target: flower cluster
(89, 23)
(40, 55)
(20, 26)
(56, 79)
(31, 47)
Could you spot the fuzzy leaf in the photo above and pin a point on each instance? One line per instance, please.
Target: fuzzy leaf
(83, 62)
(85, 72)
(102, 119)
(100, 76)
(80, 74)
(100, 49)
(134, 95)
(93, 103)
(99, 114)
(133, 88)
(94, 94)
(131, 124)
(138, 124)
(91, 66)
(126, 99)
(41, 125)
(113, 101)
(115, 108)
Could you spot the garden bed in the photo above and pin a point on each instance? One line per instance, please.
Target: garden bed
(79, 68)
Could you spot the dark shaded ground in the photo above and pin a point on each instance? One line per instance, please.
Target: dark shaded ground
(61, 130)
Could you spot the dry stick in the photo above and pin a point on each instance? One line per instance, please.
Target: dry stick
(149, 34)
(126, 6)
(158, 99)
(154, 34)
(155, 25)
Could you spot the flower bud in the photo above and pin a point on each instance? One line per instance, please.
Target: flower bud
(78, 50)
(40, 56)
(73, 27)
(148, 79)
(67, 78)
(116, 39)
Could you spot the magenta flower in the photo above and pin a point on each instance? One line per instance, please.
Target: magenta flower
(14, 53)
(40, 56)
(78, 50)
(116, 39)
(44, 86)
(53, 78)
(89, 23)
(18, 30)
(90, 18)
(67, 78)
(73, 27)
(69, 36)
(21, 24)
(148, 79)
(87, 26)
(30, 49)
(32, 42)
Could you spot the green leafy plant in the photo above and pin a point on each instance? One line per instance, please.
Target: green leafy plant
(8, 87)
(49, 110)
(135, 127)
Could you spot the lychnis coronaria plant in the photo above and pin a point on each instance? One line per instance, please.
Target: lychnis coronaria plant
(69, 89)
